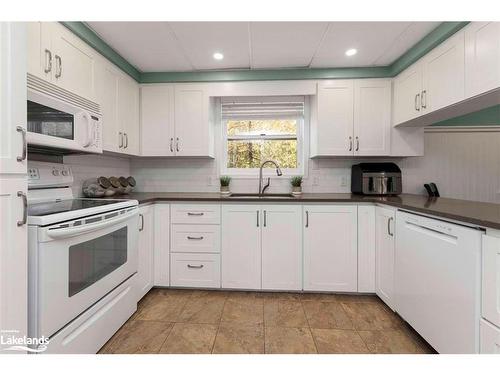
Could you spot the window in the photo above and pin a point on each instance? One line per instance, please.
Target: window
(260, 129)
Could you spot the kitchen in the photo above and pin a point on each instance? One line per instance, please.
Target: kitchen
(215, 187)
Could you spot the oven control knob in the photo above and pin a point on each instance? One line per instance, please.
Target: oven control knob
(65, 173)
(55, 172)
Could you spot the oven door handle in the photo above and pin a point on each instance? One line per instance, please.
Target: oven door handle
(58, 233)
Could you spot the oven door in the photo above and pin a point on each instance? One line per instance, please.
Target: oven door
(79, 262)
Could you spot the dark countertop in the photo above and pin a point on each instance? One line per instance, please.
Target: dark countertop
(477, 213)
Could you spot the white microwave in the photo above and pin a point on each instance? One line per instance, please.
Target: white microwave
(59, 122)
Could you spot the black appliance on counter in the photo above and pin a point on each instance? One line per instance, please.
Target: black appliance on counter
(376, 179)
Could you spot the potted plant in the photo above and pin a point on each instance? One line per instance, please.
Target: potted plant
(224, 185)
(296, 182)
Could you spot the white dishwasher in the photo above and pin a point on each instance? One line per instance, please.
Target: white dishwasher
(437, 281)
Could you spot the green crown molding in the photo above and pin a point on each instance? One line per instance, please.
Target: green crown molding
(431, 40)
(91, 38)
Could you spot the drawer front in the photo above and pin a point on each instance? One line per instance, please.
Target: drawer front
(195, 238)
(491, 279)
(490, 338)
(195, 270)
(195, 214)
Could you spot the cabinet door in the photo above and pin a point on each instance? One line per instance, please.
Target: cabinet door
(490, 338)
(444, 74)
(107, 96)
(491, 279)
(73, 62)
(372, 117)
(157, 120)
(384, 255)
(241, 246)
(407, 94)
(128, 114)
(12, 97)
(162, 244)
(482, 57)
(13, 260)
(330, 248)
(146, 247)
(366, 249)
(40, 60)
(282, 247)
(192, 133)
(332, 132)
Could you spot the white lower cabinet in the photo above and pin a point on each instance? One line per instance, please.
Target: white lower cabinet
(282, 247)
(330, 248)
(162, 244)
(491, 279)
(145, 264)
(195, 238)
(384, 254)
(366, 249)
(195, 270)
(241, 252)
(489, 338)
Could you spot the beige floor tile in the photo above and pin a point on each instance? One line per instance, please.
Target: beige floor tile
(285, 340)
(243, 311)
(163, 305)
(372, 316)
(209, 294)
(138, 336)
(234, 338)
(390, 341)
(281, 296)
(243, 296)
(284, 313)
(188, 338)
(326, 315)
(358, 298)
(319, 297)
(338, 341)
(207, 309)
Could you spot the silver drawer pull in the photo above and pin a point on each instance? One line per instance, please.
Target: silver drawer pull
(194, 238)
(22, 130)
(197, 267)
(25, 209)
(195, 213)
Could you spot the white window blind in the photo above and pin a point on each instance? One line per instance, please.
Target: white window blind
(275, 107)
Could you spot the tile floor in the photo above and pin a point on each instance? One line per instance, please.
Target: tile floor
(196, 321)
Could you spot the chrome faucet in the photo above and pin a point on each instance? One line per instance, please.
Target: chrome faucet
(278, 172)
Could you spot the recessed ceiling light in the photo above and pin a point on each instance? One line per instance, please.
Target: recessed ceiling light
(351, 52)
(218, 56)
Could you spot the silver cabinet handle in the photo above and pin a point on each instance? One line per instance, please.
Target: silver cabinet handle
(357, 143)
(171, 145)
(424, 99)
(417, 102)
(195, 213)
(307, 219)
(142, 222)
(48, 64)
(58, 66)
(177, 144)
(265, 218)
(350, 143)
(194, 238)
(126, 140)
(25, 209)
(389, 226)
(258, 218)
(22, 130)
(198, 267)
(120, 134)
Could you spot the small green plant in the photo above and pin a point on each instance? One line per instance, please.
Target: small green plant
(296, 181)
(225, 180)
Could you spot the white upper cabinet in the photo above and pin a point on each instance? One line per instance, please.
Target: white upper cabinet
(384, 254)
(407, 94)
(157, 120)
(13, 156)
(128, 114)
(443, 75)
(106, 79)
(56, 55)
(181, 113)
(282, 247)
(482, 57)
(372, 117)
(330, 248)
(332, 119)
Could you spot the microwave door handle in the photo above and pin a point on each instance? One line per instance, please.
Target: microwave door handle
(59, 233)
(89, 130)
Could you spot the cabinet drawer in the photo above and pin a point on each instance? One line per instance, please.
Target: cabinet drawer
(195, 214)
(195, 238)
(195, 270)
(491, 279)
(490, 338)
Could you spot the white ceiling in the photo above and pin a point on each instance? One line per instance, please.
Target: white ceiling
(189, 46)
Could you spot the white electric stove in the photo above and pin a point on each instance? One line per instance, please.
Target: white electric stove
(82, 262)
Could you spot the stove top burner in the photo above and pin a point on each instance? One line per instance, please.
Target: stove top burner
(50, 208)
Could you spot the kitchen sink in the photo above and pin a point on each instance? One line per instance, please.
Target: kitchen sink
(259, 196)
